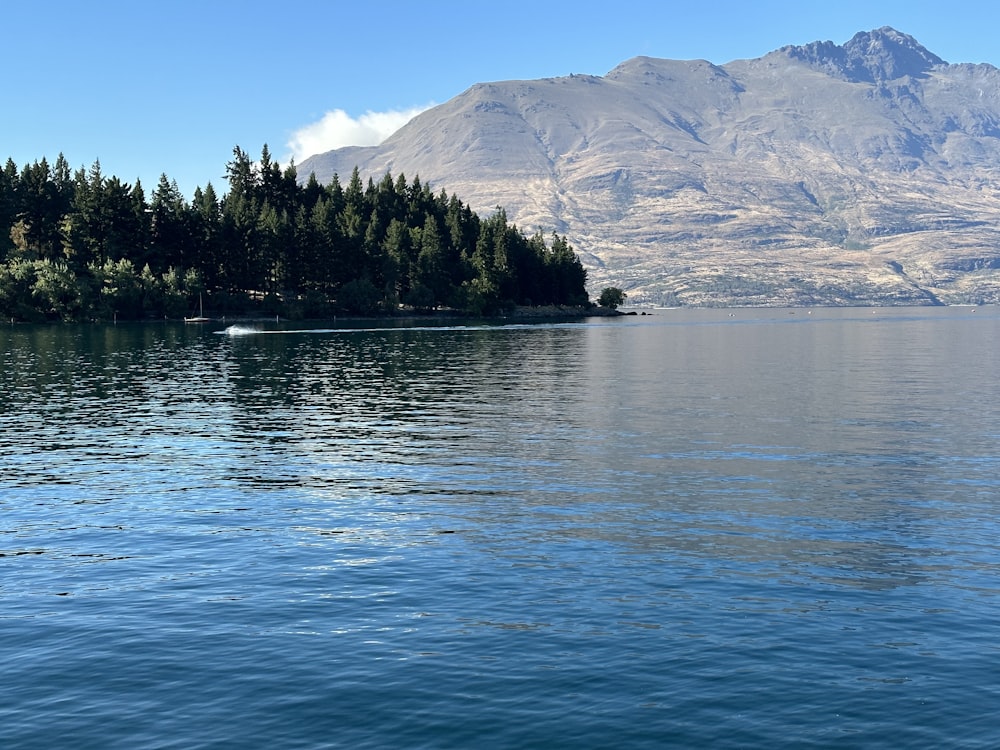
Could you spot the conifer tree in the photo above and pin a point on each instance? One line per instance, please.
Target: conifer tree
(89, 244)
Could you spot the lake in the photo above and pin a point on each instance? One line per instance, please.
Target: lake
(696, 528)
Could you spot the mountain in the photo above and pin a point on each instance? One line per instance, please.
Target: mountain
(862, 173)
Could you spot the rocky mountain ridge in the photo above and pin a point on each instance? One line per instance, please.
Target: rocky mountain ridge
(862, 173)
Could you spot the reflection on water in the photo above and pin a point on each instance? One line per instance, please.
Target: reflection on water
(699, 527)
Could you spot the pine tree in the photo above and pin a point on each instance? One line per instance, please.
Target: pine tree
(206, 242)
(40, 210)
(8, 205)
(368, 246)
(170, 227)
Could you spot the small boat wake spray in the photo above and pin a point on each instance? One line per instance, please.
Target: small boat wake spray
(240, 330)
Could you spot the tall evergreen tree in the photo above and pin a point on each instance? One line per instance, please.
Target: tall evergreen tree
(40, 210)
(351, 229)
(206, 229)
(397, 251)
(90, 244)
(8, 205)
(244, 182)
(431, 268)
(171, 228)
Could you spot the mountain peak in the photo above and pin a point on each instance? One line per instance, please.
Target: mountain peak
(887, 54)
(870, 56)
(854, 173)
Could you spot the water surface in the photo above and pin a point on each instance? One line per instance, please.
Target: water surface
(696, 528)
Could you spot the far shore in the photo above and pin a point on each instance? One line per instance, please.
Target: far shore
(539, 313)
(543, 312)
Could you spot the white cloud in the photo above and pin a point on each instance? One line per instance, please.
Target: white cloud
(337, 129)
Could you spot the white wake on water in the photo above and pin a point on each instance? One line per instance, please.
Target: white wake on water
(240, 330)
(245, 330)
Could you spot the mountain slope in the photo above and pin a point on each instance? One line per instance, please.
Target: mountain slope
(867, 173)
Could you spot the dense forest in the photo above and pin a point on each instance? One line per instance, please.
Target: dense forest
(82, 245)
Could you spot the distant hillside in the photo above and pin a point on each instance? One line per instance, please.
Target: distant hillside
(867, 173)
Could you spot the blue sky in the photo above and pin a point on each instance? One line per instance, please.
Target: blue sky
(151, 88)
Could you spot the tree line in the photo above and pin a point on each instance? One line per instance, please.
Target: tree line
(78, 245)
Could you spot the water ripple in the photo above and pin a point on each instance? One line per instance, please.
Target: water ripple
(616, 534)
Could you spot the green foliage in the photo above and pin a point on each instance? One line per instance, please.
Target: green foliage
(17, 278)
(57, 290)
(612, 297)
(81, 245)
(359, 296)
(420, 298)
(120, 288)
